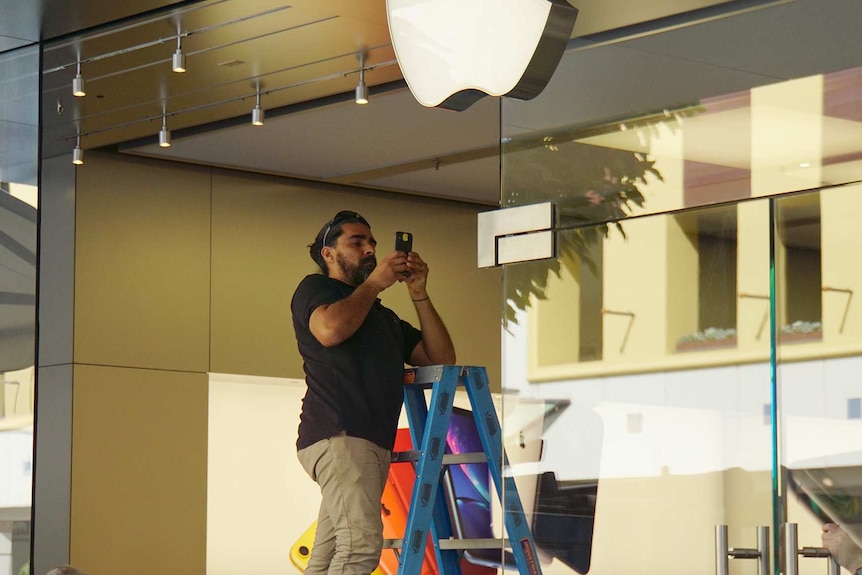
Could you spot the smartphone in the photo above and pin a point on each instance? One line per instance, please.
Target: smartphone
(404, 242)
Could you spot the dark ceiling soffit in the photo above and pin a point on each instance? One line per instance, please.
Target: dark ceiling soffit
(73, 34)
(680, 20)
(246, 118)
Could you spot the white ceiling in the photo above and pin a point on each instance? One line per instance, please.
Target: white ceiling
(385, 144)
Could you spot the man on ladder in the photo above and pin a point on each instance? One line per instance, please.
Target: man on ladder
(354, 351)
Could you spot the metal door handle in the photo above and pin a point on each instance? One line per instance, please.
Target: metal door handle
(723, 552)
(792, 552)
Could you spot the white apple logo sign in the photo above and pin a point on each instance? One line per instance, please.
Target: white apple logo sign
(453, 52)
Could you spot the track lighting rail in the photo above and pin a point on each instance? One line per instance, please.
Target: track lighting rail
(151, 118)
(176, 37)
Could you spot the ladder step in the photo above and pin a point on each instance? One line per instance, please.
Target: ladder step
(448, 458)
(429, 421)
(449, 544)
(423, 376)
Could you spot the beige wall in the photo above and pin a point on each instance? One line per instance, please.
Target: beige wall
(142, 265)
(260, 231)
(139, 471)
(184, 270)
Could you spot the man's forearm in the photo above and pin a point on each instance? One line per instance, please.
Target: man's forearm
(435, 336)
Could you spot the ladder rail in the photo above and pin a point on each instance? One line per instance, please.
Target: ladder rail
(428, 507)
(523, 546)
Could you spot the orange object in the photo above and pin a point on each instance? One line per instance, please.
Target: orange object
(395, 506)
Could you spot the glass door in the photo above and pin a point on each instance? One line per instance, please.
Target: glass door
(680, 393)
(819, 352)
(637, 393)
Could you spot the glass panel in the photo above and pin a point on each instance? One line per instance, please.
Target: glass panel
(820, 362)
(637, 392)
(704, 294)
(681, 119)
(640, 360)
(18, 205)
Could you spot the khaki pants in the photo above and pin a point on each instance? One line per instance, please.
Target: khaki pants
(351, 473)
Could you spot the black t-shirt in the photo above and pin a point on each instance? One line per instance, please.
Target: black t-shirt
(357, 385)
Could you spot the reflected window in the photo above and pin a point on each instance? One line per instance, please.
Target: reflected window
(590, 304)
(798, 254)
(705, 265)
(571, 309)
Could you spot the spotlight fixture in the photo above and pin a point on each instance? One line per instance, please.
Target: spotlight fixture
(164, 134)
(257, 111)
(78, 152)
(78, 83)
(178, 61)
(361, 88)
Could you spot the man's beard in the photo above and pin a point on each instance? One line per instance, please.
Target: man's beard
(357, 273)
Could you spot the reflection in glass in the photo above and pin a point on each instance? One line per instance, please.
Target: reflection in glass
(18, 214)
(820, 359)
(712, 235)
(655, 288)
(655, 442)
(17, 371)
(798, 257)
(679, 417)
(768, 140)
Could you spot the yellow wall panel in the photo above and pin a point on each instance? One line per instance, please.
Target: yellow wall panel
(635, 322)
(139, 471)
(841, 242)
(261, 229)
(555, 328)
(142, 264)
(752, 272)
(682, 269)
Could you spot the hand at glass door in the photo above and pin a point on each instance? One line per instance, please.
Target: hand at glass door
(842, 548)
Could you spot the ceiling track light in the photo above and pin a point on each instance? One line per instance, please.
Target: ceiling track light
(164, 134)
(160, 41)
(78, 83)
(257, 111)
(209, 105)
(178, 61)
(361, 88)
(78, 152)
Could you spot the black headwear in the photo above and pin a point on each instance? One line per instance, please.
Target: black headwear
(329, 233)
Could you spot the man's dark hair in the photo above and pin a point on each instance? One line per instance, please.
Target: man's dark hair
(329, 234)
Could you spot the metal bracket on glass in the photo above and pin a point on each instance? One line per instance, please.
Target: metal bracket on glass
(792, 552)
(723, 552)
(849, 293)
(517, 234)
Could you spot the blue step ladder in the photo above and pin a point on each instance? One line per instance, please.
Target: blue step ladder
(428, 510)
